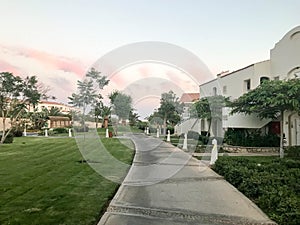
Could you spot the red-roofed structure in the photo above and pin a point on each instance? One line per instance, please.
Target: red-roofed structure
(189, 97)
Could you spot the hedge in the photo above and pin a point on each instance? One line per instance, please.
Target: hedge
(272, 183)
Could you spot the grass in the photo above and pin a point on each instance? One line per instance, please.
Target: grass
(43, 182)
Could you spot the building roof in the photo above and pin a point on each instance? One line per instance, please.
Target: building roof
(189, 97)
(53, 103)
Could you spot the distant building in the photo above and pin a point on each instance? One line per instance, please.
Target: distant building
(188, 99)
(65, 109)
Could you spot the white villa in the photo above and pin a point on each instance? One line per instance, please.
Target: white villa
(284, 63)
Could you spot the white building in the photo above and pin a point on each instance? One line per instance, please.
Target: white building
(65, 109)
(284, 63)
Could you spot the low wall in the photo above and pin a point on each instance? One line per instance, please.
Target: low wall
(240, 149)
(7, 124)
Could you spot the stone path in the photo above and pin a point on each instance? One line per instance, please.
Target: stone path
(168, 186)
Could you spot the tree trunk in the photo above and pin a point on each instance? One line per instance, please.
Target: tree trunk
(209, 127)
(281, 150)
(3, 132)
(165, 125)
(106, 122)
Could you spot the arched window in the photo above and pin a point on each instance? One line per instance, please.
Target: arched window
(263, 79)
(294, 73)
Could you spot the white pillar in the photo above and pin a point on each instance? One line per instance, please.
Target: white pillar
(70, 133)
(185, 142)
(147, 130)
(25, 132)
(46, 132)
(157, 133)
(106, 133)
(214, 152)
(168, 136)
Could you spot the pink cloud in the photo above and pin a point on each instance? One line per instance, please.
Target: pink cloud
(57, 62)
(6, 67)
(47, 60)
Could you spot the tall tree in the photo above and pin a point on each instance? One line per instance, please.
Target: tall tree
(16, 95)
(271, 100)
(209, 108)
(88, 95)
(170, 109)
(122, 104)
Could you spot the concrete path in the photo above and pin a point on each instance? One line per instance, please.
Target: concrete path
(168, 186)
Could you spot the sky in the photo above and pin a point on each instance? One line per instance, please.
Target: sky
(59, 40)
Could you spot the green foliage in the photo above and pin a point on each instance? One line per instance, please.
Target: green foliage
(270, 99)
(242, 137)
(122, 104)
(293, 151)
(16, 94)
(16, 132)
(271, 183)
(60, 130)
(141, 125)
(9, 138)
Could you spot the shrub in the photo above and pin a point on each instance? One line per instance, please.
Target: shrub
(293, 151)
(17, 133)
(171, 129)
(9, 139)
(59, 130)
(272, 183)
(243, 137)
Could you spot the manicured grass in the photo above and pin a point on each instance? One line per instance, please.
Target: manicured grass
(42, 181)
(272, 183)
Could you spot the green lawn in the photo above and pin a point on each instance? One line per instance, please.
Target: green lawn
(42, 181)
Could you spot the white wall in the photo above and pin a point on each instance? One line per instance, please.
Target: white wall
(190, 124)
(285, 56)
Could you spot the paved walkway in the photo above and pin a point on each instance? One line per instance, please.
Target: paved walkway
(167, 186)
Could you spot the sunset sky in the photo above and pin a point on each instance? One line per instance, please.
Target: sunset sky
(59, 40)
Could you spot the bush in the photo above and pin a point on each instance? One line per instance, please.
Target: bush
(243, 137)
(203, 140)
(171, 129)
(272, 183)
(293, 151)
(59, 130)
(17, 133)
(9, 139)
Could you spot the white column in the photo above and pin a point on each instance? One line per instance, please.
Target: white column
(168, 136)
(185, 142)
(106, 133)
(25, 132)
(147, 130)
(214, 152)
(70, 133)
(157, 133)
(46, 132)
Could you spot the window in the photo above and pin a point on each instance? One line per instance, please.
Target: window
(263, 79)
(224, 89)
(247, 85)
(276, 78)
(214, 91)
